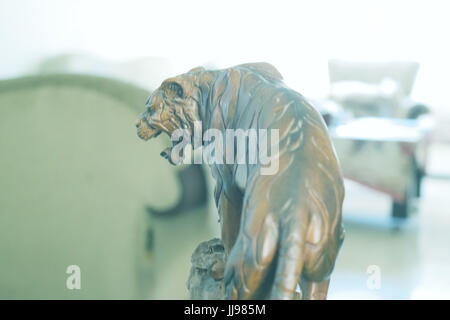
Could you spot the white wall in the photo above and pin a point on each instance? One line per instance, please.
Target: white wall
(296, 36)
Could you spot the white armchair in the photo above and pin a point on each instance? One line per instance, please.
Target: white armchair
(379, 133)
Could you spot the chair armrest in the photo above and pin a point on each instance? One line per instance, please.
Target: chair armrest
(414, 109)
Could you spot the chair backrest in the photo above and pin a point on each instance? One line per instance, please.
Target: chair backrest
(402, 72)
(75, 180)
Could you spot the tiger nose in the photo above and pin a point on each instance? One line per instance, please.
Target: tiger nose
(138, 123)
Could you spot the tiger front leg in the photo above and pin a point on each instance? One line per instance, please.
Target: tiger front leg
(230, 217)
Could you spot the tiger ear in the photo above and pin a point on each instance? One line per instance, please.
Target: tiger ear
(173, 89)
(198, 69)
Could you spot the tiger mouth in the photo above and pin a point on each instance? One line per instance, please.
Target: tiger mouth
(147, 132)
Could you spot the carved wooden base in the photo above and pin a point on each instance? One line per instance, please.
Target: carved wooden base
(206, 277)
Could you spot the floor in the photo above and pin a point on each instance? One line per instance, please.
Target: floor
(378, 261)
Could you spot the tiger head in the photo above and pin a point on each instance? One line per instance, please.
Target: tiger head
(174, 105)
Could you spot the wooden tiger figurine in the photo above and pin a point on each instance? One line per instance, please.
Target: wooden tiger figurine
(279, 230)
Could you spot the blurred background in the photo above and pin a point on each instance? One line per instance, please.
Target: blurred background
(79, 188)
